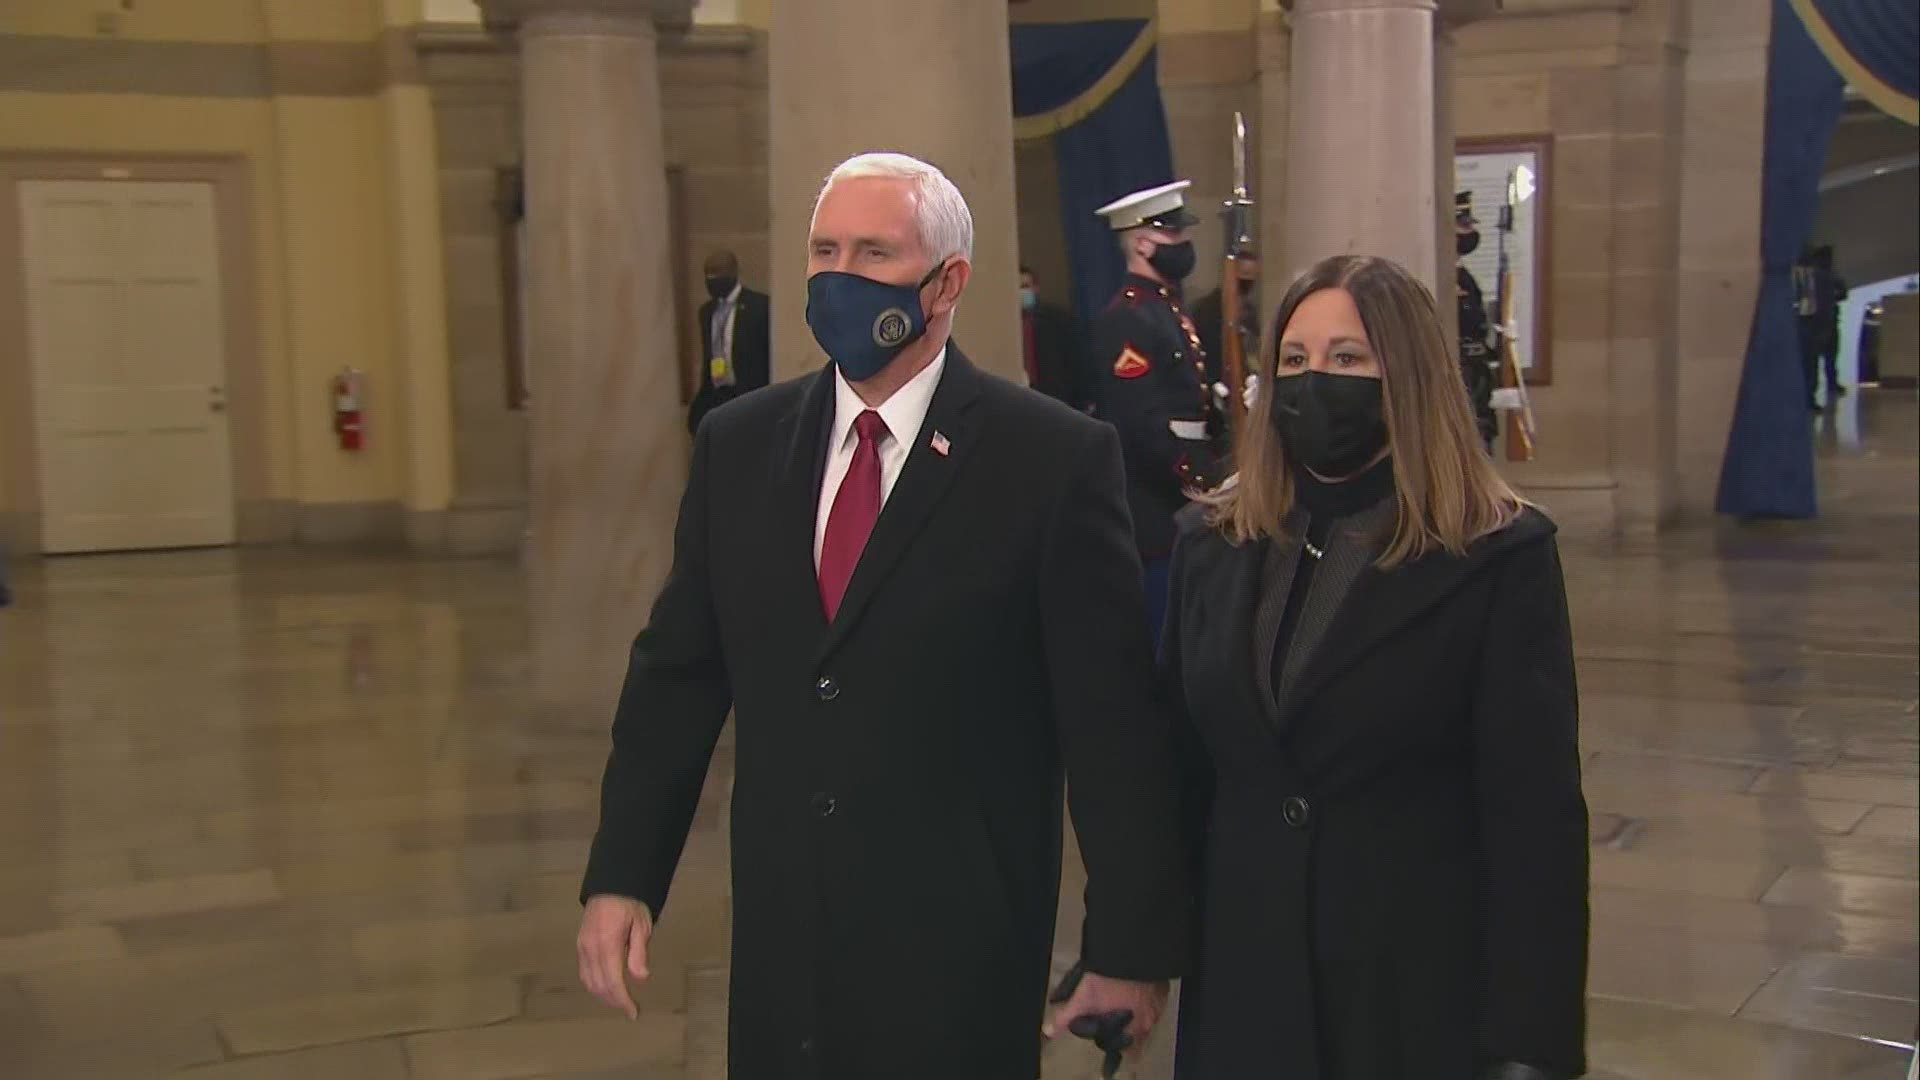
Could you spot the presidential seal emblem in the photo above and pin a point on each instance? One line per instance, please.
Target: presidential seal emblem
(891, 328)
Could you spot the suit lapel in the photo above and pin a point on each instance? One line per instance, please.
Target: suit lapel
(799, 462)
(1244, 564)
(1274, 584)
(924, 479)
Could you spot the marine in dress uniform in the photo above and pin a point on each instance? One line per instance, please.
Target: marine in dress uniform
(1477, 358)
(1152, 382)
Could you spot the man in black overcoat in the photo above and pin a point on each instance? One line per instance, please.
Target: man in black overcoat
(914, 584)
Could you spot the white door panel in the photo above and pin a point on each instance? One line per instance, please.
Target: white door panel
(126, 328)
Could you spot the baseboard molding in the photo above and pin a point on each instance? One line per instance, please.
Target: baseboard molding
(469, 529)
(350, 524)
(485, 528)
(424, 531)
(264, 521)
(19, 532)
(1584, 507)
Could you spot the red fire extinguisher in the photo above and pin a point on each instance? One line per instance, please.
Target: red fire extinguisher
(349, 410)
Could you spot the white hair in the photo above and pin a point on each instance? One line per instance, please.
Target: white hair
(939, 210)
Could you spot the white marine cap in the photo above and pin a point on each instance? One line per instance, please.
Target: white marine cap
(1163, 206)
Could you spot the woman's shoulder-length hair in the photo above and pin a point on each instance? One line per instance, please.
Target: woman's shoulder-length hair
(1448, 492)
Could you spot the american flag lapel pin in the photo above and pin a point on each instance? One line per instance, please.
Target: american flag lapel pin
(940, 445)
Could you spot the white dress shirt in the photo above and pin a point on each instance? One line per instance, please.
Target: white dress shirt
(905, 413)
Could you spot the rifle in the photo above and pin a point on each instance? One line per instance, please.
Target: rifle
(1238, 216)
(1513, 379)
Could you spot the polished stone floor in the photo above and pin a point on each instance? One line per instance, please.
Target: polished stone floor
(271, 816)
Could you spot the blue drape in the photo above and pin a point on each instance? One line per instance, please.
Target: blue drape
(1882, 36)
(1768, 469)
(1121, 146)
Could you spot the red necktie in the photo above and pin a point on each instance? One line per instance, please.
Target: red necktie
(855, 508)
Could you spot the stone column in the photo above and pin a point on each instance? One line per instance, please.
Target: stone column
(1721, 138)
(1443, 136)
(1360, 135)
(931, 80)
(607, 435)
(1650, 88)
(1275, 58)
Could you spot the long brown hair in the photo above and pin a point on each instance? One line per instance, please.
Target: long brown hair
(1448, 492)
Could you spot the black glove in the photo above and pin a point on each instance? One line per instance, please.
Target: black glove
(1514, 1070)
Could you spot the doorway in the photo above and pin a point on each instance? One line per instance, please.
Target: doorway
(126, 339)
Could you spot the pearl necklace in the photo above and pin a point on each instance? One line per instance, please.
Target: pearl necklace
(1317, 553)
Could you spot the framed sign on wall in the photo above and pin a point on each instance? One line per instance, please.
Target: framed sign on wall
(1513, 174)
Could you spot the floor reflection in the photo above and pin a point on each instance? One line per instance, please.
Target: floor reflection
(267, 815)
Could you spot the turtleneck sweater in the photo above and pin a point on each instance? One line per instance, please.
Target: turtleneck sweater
(1327, 504)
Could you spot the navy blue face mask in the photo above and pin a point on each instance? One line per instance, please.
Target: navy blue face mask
(862, 323)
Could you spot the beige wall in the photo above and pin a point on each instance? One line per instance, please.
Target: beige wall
(1273, 59)
(368, 169)
(328, 121)
(376, 244)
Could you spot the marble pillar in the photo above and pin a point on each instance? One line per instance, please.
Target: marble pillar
(1445, 260)
(1723, 133)
(931, 80)
(608, 439)
(1360, 134)
(1274, 57)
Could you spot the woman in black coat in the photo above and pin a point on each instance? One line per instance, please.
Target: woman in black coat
(1369, 634)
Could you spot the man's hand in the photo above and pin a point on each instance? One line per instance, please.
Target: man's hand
(1097, 995)
(614, 931)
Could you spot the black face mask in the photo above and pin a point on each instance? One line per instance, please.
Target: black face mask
(1173, 261)
(1466, 243)
(1331, 424)
(720, 287)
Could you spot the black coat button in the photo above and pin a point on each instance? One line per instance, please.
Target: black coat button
(1296, 811)
(823, 804)
(826, 688)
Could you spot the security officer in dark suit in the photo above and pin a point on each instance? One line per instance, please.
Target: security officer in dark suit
(735, 342)
(1152, 383)
(1477, 356)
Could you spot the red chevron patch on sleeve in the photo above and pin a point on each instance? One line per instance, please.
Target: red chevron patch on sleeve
(1132, 364)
